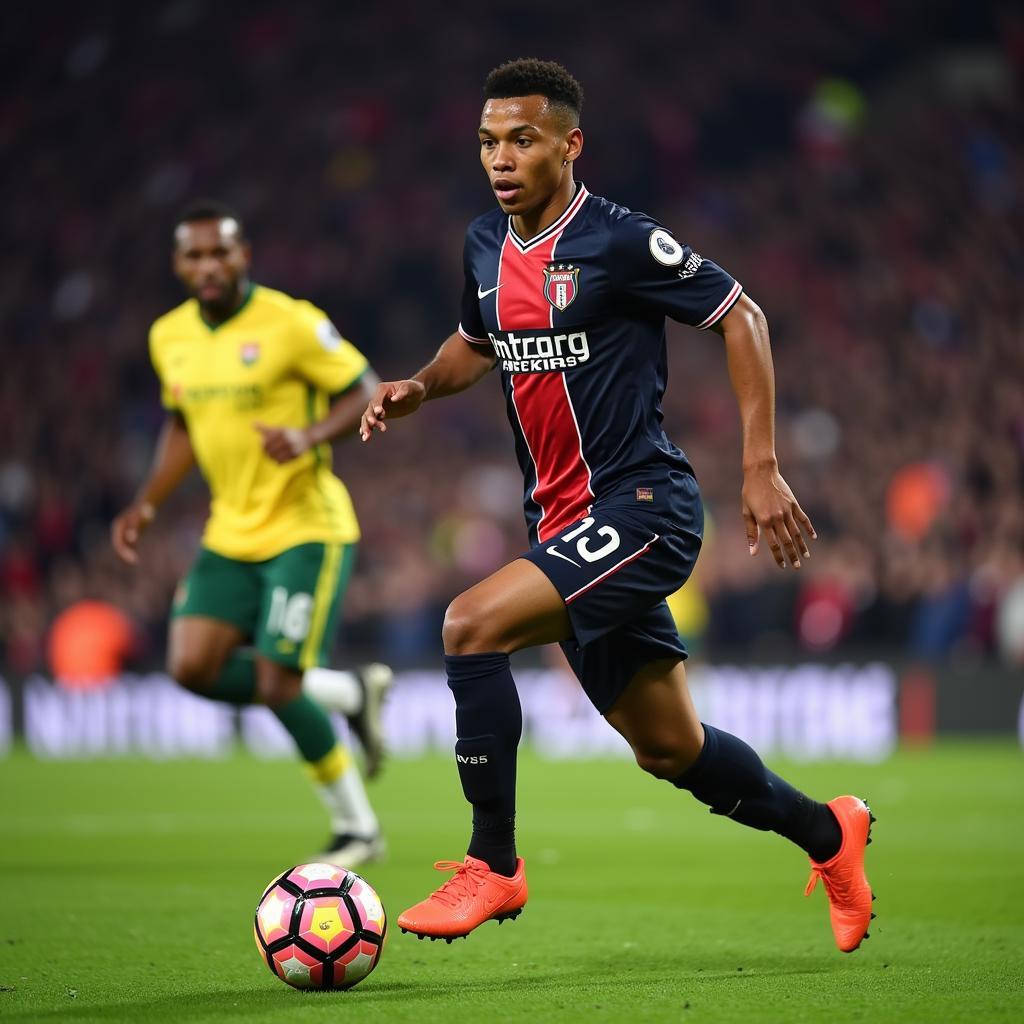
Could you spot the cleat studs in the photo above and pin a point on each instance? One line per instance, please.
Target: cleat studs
(403, 931)
(873, 916)
(449, 941)
(868, 843)
(873, 897)
(867, 935)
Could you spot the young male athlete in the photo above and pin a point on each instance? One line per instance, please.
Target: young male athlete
(568, 294)
(256, 384)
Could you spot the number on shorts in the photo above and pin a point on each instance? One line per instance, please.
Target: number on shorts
(583, 544)
(289, 616)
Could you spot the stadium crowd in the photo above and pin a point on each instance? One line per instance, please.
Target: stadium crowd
(868, 195)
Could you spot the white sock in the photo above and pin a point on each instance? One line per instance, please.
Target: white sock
(334, 690)
(348, 806)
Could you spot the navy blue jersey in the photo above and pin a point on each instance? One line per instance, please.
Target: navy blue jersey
(576, 319)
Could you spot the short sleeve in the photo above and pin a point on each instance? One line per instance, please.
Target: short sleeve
(471, 326)
(652, 268)
(168, 398)
(322, 356)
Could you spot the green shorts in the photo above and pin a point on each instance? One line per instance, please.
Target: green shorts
(287, 606)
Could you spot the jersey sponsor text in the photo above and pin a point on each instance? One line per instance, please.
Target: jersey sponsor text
(540, 353)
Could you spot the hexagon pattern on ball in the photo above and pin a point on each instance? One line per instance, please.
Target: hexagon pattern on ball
(319, 926)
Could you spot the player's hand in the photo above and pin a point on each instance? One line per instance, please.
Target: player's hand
(127, 528)
(770, 508)
(283, 444)
(393, 398)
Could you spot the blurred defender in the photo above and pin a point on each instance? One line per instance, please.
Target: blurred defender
(248, 378)
(568, 293)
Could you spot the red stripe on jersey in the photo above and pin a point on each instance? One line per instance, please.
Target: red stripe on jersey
(521, 301)
(542, 399)
(723, 307)
(563, 480)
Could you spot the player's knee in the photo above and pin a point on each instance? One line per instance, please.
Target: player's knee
(663, 760)
(465, 629)
(191, 671)
(277, 689)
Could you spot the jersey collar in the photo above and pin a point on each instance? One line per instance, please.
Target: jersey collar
(245, 302)
(552, 229)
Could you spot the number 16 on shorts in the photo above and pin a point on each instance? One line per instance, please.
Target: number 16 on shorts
(289, 614)
(300, 603)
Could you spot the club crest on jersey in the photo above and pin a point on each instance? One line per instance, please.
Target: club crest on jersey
(249, 352)
(561, 284)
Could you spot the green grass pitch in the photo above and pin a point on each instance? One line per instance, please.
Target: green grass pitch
(128, 889)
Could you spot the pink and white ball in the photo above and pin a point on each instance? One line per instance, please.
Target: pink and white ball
(320, 926)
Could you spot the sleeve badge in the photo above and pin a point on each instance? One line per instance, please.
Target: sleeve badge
(665, 249)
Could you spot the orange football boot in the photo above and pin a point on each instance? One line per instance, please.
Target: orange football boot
(849, 893)
(472, 895)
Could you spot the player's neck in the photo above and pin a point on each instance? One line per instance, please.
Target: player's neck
(214, 316)
(535, 221)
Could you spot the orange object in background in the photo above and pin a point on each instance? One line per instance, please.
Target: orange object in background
(88, 645)
(917, 494)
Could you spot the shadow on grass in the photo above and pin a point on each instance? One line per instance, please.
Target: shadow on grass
(230, 1004)
(600, 975)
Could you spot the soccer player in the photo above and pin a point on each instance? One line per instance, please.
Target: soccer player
(567, 294)
(256, 384)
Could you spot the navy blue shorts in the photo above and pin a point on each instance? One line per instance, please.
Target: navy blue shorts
(614, 570)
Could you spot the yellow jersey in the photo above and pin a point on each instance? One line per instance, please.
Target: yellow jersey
(278, 361)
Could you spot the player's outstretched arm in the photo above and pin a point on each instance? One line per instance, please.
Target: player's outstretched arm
(172, 461)
(458, 365)
(769, 506)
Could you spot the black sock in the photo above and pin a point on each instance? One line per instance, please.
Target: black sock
(730, 777)
(488, 723)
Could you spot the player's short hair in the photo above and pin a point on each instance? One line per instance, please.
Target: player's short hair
(531, 77)
(208, 209)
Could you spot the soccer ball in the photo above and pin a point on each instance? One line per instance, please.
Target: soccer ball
(320, 926)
